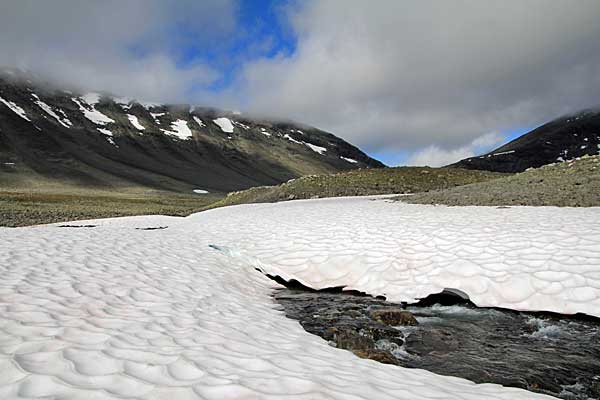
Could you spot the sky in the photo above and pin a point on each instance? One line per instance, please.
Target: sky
(411, 82)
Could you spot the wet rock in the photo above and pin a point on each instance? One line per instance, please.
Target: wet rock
(377, 355)
(350, 339)
(394, 317)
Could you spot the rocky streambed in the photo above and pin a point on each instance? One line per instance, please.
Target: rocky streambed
(544, 353)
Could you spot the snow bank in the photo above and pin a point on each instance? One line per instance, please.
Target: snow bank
(156, 116)
(291, 139)
(198, 121)
(109, 136)
(134, 121)
(90, 112)
(265, 132)
(180, 129)
(315, 148)
(113, 312)
(524, 258)
(350, 160)
(124, 102)
(64, 121)
(225, 124)
(15, 108)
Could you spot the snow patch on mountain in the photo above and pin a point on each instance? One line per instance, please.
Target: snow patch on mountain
(124, 102)
(315, 148)
(199, 121)
(91, 98)
(180, 129)
(90, 111)
(64, 121)
(265, 132)
(149, 105)
(134, 121)
(350, 160)
(291, 139)
(15, 108)
(109, 135)
(155, 116)
(225, 124)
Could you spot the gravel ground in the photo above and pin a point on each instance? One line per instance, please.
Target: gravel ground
(574, 183)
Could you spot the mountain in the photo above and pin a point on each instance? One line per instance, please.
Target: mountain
(559, 140)
(100, 140)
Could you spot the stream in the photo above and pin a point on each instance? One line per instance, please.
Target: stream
(545, 353)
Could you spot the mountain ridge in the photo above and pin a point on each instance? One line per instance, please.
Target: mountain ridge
(102, 140)
(564, 138)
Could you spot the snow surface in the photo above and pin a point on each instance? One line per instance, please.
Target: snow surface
(156, 115)
(180, 129)
(350, 160)
(124, 102)
(48, 110)
(148, 105)
(265, 132)
(15, 108)
(134, 121)
(503, 152)
(225, 124)
(91, 98)
(109, 136)
(315, 148)
(112, 312)
(105, 131)
(198, 121)
(90, 111)
(291, 139)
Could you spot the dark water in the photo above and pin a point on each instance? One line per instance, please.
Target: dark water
(542, 353)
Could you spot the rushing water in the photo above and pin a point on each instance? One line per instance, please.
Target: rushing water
(543, 353)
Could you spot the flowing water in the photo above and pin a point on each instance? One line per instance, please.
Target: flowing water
(546, 353)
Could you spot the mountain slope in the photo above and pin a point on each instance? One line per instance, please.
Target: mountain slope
(574, 183)
(100, 140)
(559, 140)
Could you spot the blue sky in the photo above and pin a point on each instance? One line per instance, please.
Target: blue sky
(261, 30)
(408, 81)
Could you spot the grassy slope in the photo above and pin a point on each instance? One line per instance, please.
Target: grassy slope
(360, 183)
(32, 199)
(32, 208)
(573, 183)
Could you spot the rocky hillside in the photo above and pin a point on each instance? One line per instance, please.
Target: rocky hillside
(560, 140)
(574, 183)
(360, 183)
(99, 140)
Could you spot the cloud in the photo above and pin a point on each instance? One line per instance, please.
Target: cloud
(126, 47)
(422, 77)
(410, 74)
(435, 156)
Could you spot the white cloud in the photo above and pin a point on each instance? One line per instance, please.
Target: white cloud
(409, 74)
(435, 156)
(124, 47)
(388, 75)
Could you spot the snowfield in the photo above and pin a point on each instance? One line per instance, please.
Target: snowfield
(224, 123)
(114, 312)
(180, 129)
